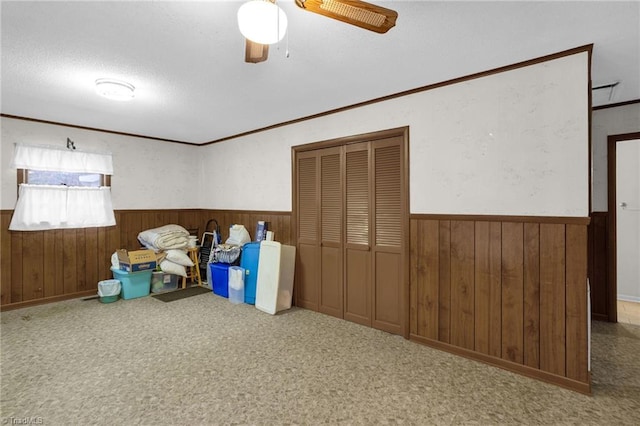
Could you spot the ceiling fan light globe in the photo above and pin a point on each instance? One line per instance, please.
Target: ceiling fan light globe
(262, 21)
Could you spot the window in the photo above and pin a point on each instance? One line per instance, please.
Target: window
(61, 189)
(44, 177)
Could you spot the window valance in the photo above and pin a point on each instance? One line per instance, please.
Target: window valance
(61, 160)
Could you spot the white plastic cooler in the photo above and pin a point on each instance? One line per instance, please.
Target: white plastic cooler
(275, 277)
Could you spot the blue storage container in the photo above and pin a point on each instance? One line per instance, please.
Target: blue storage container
(249, 261)
(220, 278)
(134, 284)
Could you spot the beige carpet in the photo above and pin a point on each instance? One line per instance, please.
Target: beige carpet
(202, 361)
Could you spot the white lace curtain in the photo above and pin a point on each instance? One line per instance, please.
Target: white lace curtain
(41, 207)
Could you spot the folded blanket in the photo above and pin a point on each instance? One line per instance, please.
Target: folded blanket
(164, 238)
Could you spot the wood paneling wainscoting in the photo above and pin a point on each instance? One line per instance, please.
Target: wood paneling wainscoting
(47, 266)
(278, 222)
(599, 266)
(509, 291)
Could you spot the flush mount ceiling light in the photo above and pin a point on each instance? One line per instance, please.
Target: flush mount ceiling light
(115, 90)
(262, 21)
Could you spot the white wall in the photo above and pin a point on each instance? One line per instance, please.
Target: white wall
(606, 122)
(514, 143)
(148, 174)
(628, 219)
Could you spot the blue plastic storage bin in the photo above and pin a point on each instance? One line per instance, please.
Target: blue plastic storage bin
(249, 261)
(220, 278)
(134, 284)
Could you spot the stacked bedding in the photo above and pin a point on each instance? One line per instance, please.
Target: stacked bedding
(164, 238)
(173, 240)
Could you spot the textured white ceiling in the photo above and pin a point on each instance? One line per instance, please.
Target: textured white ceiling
(186, 59)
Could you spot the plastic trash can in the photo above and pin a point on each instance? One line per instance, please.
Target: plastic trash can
(109, 290)
(220, 278)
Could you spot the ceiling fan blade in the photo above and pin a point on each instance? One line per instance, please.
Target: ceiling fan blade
(255, 52)
(359, 13)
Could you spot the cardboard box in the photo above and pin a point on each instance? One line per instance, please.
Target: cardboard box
(137, 260)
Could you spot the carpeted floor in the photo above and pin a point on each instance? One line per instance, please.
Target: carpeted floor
(204, 361)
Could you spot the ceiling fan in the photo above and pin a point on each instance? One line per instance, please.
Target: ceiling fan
(359, 13)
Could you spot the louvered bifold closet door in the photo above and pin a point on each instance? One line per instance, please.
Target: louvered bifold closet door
(308, 231)
(357, 251)
(331, 199)
(388, 211)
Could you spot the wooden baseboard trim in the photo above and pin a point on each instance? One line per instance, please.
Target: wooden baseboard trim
(600, 317)
(44, 300)
(524, 370)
